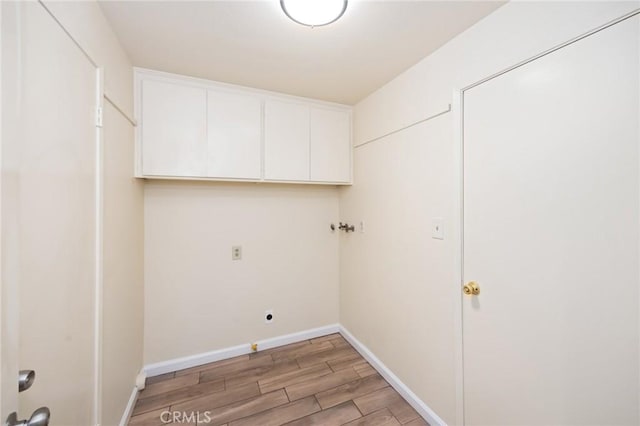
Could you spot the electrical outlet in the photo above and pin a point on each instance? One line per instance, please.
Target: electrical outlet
(236, 253)
(268, 316)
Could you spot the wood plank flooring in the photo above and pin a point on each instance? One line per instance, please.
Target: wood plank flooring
(321, 381)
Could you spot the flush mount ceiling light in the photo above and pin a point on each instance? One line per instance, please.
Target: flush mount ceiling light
(314, 13)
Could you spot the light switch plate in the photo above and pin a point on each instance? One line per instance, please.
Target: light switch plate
(437, 228)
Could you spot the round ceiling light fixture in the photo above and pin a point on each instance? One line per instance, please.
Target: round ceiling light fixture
(314, 13)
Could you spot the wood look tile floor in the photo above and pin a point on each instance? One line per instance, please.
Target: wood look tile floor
(321, 381)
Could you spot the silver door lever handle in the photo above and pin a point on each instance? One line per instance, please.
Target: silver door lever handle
(25, 379)
(40, 417)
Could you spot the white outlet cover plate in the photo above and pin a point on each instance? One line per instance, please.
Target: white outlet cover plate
(437, 228)
(236, 252)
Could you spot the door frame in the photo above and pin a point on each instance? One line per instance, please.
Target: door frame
(457, 108)
(2, 379)
(98, 251)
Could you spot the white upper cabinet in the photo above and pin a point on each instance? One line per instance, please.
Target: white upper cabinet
(174, 129)
(286, 141)
(330, 145)
(234, 135)
(197, 129)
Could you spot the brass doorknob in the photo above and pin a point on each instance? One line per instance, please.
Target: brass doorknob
(471, 288)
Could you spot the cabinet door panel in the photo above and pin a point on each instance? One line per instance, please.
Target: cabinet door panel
(330, 145)
(174, 126)
(235, 126)
(286, 141)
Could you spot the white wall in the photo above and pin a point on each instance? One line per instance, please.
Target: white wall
(197, 299)
(397, 283)
(392, 293)
(123, 294)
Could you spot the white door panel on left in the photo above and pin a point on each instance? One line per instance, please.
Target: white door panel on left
(51, 249)
(9, 247)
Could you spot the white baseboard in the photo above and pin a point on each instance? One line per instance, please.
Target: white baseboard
(158, 368)
(423, 409)
(129, 409)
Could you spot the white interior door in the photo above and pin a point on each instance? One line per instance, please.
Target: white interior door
(551, 237)
(9, 364)
(49, 218)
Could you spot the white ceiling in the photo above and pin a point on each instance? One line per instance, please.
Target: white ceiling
(252, 43)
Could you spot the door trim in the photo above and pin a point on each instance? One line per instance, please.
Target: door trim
(458, 248)
(457, 108)
(98, 335)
